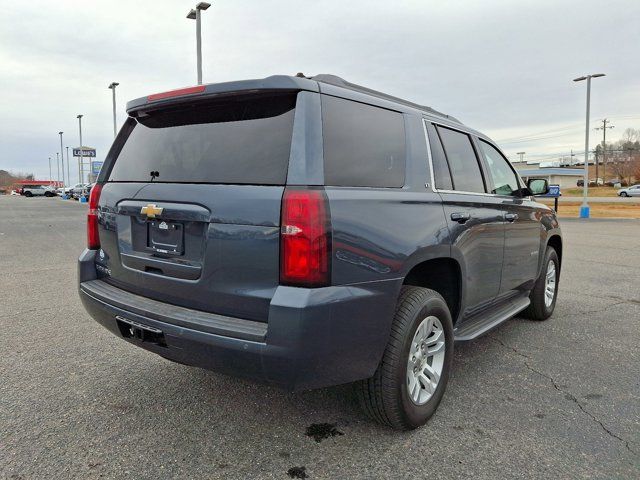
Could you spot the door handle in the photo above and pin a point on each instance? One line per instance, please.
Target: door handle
(460, 217)
(511, 217)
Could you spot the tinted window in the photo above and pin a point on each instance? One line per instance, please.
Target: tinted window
(441, 174)
(504, 180)
(363, 145)
(245, 141)
(463, 163)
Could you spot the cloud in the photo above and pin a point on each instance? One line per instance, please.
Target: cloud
(504, 68)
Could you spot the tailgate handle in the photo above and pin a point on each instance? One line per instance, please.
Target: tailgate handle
(460, 217)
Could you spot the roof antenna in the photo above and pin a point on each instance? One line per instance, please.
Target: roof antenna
(300, 75)
(154, 174)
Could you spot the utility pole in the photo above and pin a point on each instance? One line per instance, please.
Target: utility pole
(604, 149)
(521, 155)
(79, 117)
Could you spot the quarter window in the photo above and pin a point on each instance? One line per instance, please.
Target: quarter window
(441, 173)
(364, 146)
(463, 163)
(503, 178)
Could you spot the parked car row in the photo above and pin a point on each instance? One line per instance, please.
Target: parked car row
(599, 182)
(76, 191)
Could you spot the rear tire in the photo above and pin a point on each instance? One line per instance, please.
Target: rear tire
(624, 194)
(420, 348)
(28, 194)
(543, 300)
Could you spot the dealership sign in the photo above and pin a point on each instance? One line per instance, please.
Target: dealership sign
(86, 152)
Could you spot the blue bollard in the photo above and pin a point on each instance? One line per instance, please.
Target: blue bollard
(84, 200)
(584, 212)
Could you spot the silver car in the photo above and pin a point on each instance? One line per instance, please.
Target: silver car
(38, 191)
(632, 191)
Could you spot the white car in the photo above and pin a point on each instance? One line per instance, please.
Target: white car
(38, 191)
(632, 191)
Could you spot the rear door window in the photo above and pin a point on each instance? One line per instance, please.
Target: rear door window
(364, 146)
(463, 163)
(245, 140)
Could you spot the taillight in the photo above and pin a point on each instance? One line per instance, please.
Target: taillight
(305, 238)
(93, 239)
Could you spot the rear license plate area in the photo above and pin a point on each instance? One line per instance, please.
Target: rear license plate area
(139, 332)
(165, 237)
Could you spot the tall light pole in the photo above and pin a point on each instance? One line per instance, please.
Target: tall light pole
(50, 179)
(81, 161)
(58, 162)
(68, 171)
(195, 15)
(584, 208)
(521, 155)
(62, 157)
(604, 149)
(112, 87)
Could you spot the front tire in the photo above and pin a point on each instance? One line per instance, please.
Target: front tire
(545, 292)
(624, 194)
(412, 377)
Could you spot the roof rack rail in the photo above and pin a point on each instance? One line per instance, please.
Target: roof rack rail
(341, 82)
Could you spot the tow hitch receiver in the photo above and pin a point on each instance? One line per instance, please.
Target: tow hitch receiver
(138, 331)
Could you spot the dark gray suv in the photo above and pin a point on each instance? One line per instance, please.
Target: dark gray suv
(309, 232)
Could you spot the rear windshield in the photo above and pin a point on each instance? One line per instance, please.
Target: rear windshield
(243, 141)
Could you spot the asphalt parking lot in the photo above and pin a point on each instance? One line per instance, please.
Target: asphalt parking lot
(558, 399)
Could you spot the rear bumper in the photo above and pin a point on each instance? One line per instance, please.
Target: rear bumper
(314, 337)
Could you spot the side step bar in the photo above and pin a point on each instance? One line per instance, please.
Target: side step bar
(474, 327)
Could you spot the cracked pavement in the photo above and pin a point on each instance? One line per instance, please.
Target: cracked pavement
(556, 399)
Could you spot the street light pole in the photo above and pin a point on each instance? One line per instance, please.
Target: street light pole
(50, 179)
(62, 156)
(58, 162)
(81, 164)
(584, 208)
(113, 90)
(195, 15)
(68, 171)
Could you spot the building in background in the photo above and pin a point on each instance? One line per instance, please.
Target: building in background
(565, 177)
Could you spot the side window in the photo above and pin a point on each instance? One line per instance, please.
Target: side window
(364, 146)
(441, 173)
(504, 180)
(463, 163)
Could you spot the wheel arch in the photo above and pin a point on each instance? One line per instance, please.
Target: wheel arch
(443, 275)
(555, 241)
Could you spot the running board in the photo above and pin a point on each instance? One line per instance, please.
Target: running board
(486, 321)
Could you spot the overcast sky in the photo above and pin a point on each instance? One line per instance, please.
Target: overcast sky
(502, 67)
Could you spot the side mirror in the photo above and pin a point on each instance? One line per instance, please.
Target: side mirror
(538, 186)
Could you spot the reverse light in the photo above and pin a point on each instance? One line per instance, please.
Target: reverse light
(305, 238)
(93, 239)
